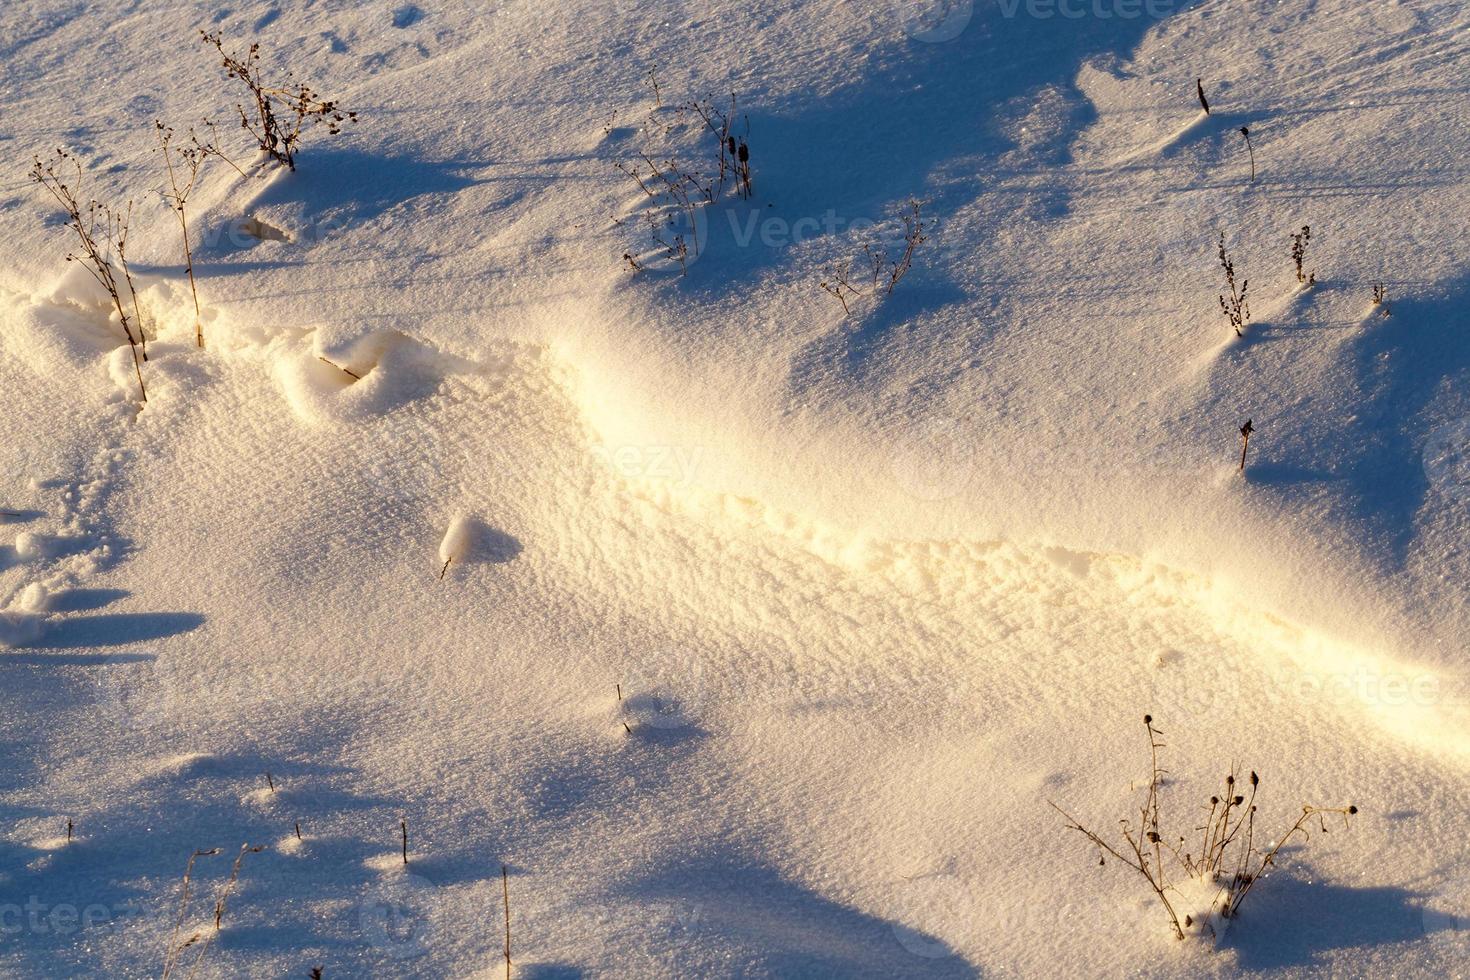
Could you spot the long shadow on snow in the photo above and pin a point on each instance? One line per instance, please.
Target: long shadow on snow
(1292, 922)
(786, 930)
(1403, 364)
(115, 629)
(336, 188)
(864, 148)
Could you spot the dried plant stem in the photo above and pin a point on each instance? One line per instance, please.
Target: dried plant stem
(182, 180)
(175, 948)
(61, 177)
(1228, 859)
(1236, 309)
(226, 891)
(279, 114)
(505, 892)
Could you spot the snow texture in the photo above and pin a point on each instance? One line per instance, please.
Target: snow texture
(769, 630)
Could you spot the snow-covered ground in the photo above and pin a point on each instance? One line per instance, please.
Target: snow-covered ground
(751, 638)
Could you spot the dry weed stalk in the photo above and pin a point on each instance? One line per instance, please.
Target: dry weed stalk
(103, 234)
(1300, 242)
(1228, 859)
(183, 177)
(681, 190)
(505, 891)
(1380, 297)
(176, 948)
(278, 114)
(1236, 309)
(220, 901)
(881, 272)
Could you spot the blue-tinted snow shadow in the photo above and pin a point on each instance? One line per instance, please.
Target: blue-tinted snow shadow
(876, 322)
(853, 154)
(335, 188)
(878, 140)
(115, 629)
(1418, 356)
(1291, 923)
(783, 929)
(85, 600)
(1287, 475)
(1408, 374)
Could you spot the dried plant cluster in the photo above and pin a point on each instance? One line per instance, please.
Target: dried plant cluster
(1300, 242)
(1224, 856)
(1235, 307)
(278, 114)
(183, 163)
(878, 272)
(681, 181)
(279, 117)
(1380, 297)
(102, 237)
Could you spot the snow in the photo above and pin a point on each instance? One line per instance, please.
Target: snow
(767, 632)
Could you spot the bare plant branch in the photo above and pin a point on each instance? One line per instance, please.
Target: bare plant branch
(102, 233)
(278, 114)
